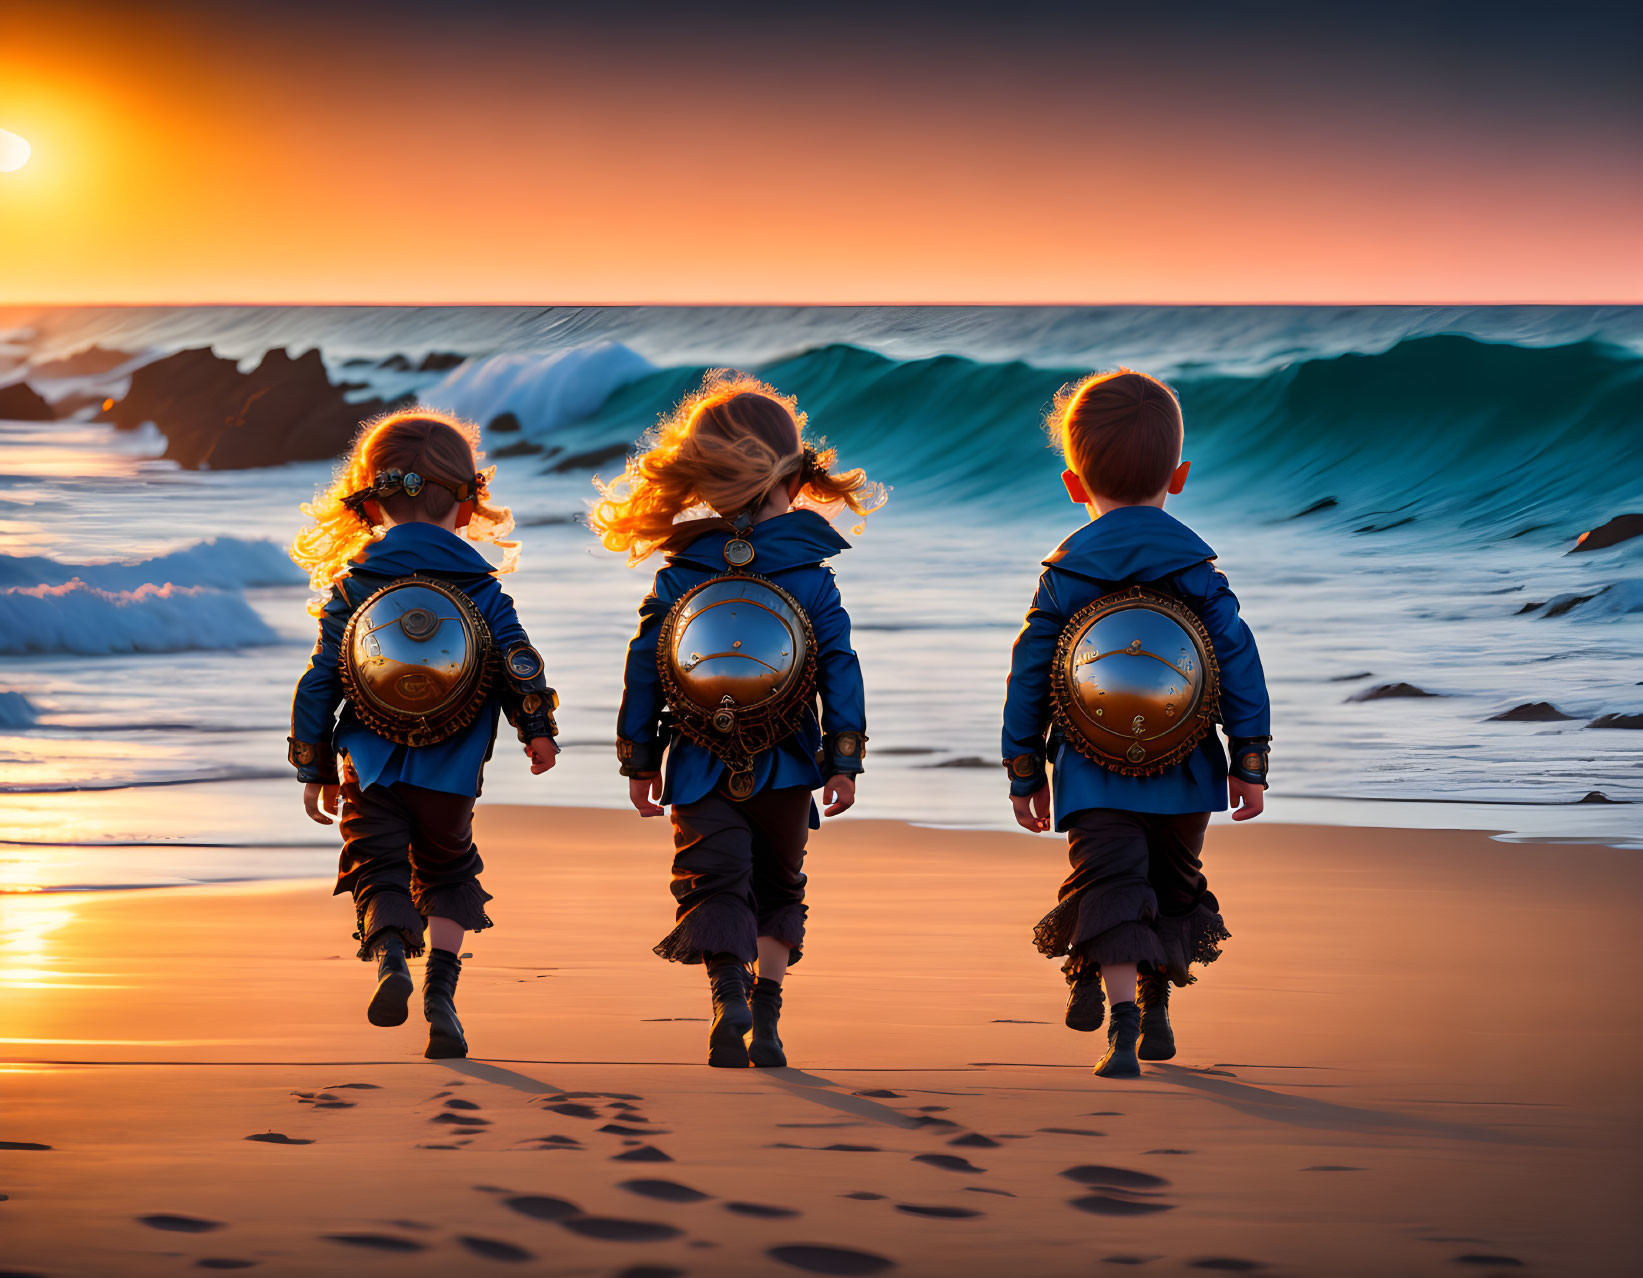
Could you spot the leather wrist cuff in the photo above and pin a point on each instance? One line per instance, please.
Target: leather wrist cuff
(844, 752)
(639, 758)
(534, 717)
(1027, 772)
(316, 764)
(1249, 759)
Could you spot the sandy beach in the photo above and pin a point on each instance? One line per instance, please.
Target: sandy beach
(1420, 1054)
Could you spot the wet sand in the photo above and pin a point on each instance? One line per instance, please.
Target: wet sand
(1421, 1053)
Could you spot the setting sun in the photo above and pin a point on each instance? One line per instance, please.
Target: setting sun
(14, 152)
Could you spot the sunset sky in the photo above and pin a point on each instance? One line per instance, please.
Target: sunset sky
(1028, 151)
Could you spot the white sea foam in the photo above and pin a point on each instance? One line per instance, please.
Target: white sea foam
(543, 391)
(78, 618)
(223, 563)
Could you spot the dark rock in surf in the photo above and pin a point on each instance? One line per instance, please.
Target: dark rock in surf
(213, 415)
(87, 362)
(1620, 528)
(517, 448)
(590, 460)
(1568, 603)
(1597, 796)
(395, 364)
(1530, 712)
(1385, 691)
(1633, 721)
(440, 361)
(20, 402)
(504, 424)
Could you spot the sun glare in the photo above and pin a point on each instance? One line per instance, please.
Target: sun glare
(14, 152)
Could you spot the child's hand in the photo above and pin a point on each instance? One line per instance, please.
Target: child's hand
(320, 801)
(839, 794)
(643, 793)
(1032, 811)
(543, 754)
(1247, 799)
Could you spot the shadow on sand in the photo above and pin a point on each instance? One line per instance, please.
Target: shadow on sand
(1307, 1111)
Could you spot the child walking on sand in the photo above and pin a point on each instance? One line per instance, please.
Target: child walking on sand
(1132, 651)
(424, 652)
(739, 637)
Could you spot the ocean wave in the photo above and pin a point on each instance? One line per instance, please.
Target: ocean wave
(1487, 439)
(222, 563)
(545, 392)
(16, 711)
(85, 620)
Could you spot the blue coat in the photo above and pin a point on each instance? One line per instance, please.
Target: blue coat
(454, 764)
(1133, 544)
(791, 550)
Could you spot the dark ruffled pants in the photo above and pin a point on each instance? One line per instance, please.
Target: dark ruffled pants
(1136, 894)
(408, 855)
(738, 874)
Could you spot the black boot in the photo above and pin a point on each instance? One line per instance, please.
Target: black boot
(1157, 1038)
(1120, 1060)
(764, 1045)
(1086, 1005)
(732, 1018)
(394, 986)
(439, 1006)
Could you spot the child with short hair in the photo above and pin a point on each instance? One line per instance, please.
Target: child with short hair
(424, 652)
(741, 635)
(1132, 650)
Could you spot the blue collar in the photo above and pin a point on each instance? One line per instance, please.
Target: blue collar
(417, 547)
(793, 540)
(1132, 543)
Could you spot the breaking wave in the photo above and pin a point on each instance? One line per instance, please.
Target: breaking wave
(86, 620)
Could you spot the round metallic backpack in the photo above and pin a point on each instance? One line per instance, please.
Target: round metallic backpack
(1135, 685)
(417, 661)
(737, 658)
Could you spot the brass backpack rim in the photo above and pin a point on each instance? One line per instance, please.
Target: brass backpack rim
(775, 718)
(1065, 715)
(438, 725)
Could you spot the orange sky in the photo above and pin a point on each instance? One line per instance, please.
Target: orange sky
(176, 160)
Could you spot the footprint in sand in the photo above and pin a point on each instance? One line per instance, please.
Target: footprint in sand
(375, 1242)
(572, 1110)
(1105, 1205)
(1128, 1260)
(180, 1224)
(864, 1195)
(879, 1093)
(652, 1271)
(949, 1162)
(1071, 1131)
(222, 1262)
(1331, 1167)
(21, 1144)
(279, 1138)
(644, 1154)
(933, 1109)
(495, 1249)
(456, 1102)
(975, 1140)
(621, 1129)
(1227, 1264)
(762, 1210)
(568, 1142)
(615, 1229)
(666, 1191)
(361, 1087)
(1496, 1262)
(1114, 1177)
(830, 1260)
(985, 1189)
(541, 1207)
(939, 1213)
(1150, 1152)
(461, 1120)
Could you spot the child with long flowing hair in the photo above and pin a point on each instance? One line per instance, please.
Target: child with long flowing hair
(729, 492)
(402, 589)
